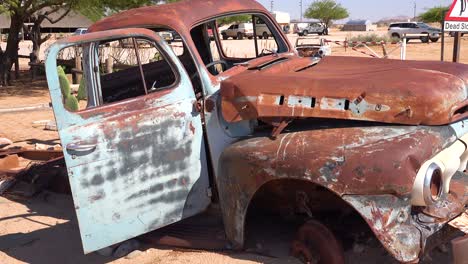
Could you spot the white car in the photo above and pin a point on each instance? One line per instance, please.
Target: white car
(238, 31)
(398, 30)
(304, 29)
(80, 31)
(262, 30)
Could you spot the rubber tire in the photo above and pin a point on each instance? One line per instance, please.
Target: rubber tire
(424, 39)
(240, 36)
(225, 37)
(305, 33)
(396, 35)
(260, 37)
(434, 39)
(265, 35)
(322, 239)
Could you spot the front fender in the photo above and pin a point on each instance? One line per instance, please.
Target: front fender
(378, 160)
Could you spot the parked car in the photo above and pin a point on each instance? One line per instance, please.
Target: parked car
(304, 29)
(166, 35)
(399, 30)
(305, 140)
(308, 47)
(453, 33)
(80, 31)
(262, 30)
(175, 35)
(238, 31)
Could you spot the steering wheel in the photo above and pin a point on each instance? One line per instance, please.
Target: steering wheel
(211, 64)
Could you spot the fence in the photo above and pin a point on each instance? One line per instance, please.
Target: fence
(402, 45)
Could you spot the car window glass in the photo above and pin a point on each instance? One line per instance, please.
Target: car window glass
(125, 68)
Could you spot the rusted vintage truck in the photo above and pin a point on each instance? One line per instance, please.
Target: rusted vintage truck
(164, 131)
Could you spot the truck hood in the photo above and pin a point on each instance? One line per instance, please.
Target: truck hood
(388, 91)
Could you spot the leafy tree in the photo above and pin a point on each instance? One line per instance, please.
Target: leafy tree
(37, 11)
(326, 11)
(234, 19)
(434, 15)
(19, 11)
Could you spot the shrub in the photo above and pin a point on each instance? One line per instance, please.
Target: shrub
(372, 38)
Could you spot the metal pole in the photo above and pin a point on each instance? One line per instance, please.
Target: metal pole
(300, 4)
(456, 47)
(142, 75)
(442, 41)
(414, 17)
(271, 5)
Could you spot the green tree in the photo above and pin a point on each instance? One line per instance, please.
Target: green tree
(37, 11)
(326, 11)
(234, 19)
(434, 15)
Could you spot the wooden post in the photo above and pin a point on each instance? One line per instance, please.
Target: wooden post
(109, 64)
(384, 49)
(403, 48)
(79, 67)
(456, 47)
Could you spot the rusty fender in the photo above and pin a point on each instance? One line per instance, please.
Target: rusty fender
(372, 168)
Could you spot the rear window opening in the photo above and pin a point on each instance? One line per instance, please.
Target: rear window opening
(461, 111)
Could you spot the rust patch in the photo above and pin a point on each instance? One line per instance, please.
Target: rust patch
(192, 128)
(350, 88)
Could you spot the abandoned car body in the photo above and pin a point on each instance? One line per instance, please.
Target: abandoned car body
(148, 152)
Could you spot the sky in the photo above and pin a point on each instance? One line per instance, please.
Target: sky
(373, 10)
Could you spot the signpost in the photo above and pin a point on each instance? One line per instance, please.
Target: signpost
(456, 20)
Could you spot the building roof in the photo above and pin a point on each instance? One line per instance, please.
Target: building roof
(359, 22)
(72, 20)
(180, 16)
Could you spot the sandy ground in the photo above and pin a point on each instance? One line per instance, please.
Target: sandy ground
(44, 229)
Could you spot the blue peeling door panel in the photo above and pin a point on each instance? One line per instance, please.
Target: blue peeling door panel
(141, 164)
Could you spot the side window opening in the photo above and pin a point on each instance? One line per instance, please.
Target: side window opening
(122, 69)
(132, 67)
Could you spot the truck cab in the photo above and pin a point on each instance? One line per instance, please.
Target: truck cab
(154, 130)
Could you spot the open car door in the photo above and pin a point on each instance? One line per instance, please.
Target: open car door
(135, 154)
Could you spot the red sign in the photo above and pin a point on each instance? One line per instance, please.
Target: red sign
(458, 11)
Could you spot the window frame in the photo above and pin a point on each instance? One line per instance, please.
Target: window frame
(278, 37)
(91, 54)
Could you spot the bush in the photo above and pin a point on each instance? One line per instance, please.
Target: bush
(372, 38)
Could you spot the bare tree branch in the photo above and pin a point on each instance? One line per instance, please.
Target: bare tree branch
(60, 17)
